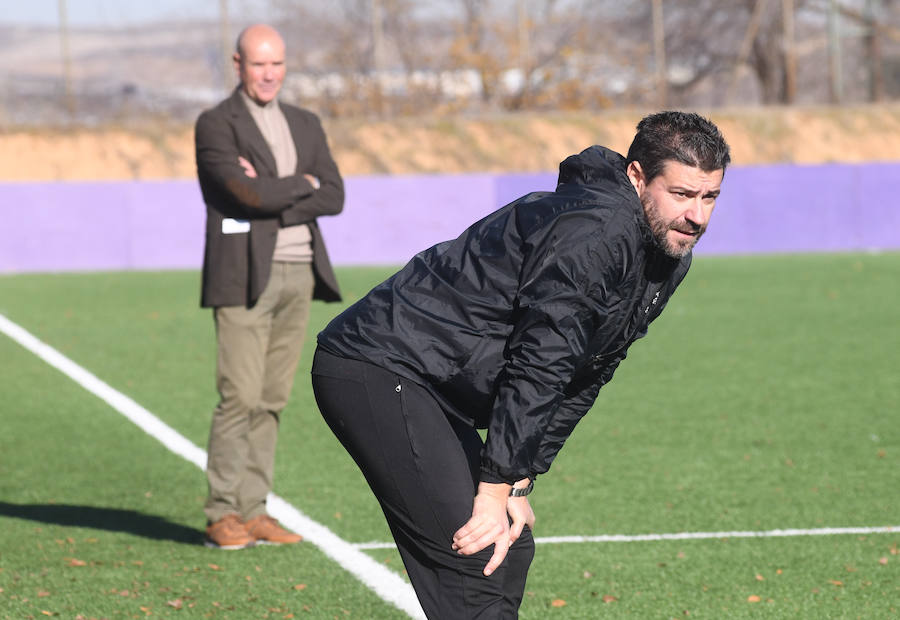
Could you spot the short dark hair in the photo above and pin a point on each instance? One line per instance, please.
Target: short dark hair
(684, 137)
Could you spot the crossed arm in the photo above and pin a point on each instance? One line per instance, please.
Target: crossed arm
(295, 199)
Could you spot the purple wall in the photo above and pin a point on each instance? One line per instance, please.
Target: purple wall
(159, 225)
(832, 207)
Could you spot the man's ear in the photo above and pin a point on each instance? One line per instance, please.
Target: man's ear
(636, 176)
(236, 58)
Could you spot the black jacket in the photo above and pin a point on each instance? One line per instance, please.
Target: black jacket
(236, 267)
(515, 325)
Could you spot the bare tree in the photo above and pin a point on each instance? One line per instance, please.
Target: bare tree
(557, 34)
(719, 42)
(387, 57)
(473, 47)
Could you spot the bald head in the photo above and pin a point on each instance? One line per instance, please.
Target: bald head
(252, 35)
(259, 62)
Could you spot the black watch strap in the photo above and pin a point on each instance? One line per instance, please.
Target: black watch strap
(514, 492)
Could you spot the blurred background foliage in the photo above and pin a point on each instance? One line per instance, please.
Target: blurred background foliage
(387, 59)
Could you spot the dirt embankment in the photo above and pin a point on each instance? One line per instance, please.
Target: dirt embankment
(520, 143)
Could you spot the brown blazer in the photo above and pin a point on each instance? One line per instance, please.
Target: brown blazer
(236, 266)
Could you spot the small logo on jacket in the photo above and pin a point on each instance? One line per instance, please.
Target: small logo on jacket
(652, 303)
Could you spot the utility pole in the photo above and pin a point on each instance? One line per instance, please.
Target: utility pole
(227, 49)
(873, 45)
(659, 54)
(378, 52)
(377, 34)
(524, 45)
(836, 89)
(790, 54)
(68, 92)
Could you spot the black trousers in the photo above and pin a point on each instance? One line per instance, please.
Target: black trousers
(423, 467)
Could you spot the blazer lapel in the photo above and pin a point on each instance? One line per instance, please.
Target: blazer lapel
(251, 136)
(297, 124)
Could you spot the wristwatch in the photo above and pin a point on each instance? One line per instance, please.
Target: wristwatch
(514, 492)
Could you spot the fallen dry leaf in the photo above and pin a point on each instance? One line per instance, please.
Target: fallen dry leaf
(77, 562)
(300, 586)
(835, 582)
(558, 602)
(177, 604)
(47, 613)
(883, 561)
(609, 598)
(214, 566)
(760, 577)
(753, 599)
(43, 593)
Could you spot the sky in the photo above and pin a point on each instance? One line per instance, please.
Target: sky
(119, 12)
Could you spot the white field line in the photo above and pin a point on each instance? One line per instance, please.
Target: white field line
(385, 583)
(825, 531)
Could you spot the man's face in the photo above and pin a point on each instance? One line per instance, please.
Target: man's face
(261, 67)
(678, 203)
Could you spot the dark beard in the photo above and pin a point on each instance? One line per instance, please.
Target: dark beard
(660, 227)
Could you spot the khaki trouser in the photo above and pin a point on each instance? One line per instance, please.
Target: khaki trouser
(258, 352)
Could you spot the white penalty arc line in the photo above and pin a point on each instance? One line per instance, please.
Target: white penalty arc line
(611, 538)
(385, 583)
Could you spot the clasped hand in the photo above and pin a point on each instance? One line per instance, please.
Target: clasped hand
(490, 525)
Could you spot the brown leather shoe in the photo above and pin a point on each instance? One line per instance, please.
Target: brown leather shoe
(228, 533)
(266, 531)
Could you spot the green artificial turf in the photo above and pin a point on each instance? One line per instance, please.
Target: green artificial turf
(764, 398)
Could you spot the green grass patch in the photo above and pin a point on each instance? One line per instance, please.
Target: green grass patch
(765, 397)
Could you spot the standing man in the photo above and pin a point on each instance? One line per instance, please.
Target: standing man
(513, 327)
(266, 174)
